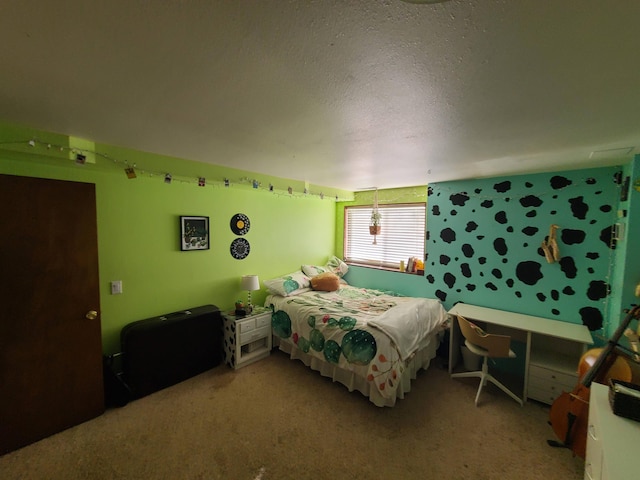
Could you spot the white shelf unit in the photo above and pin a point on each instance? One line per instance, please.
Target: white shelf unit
(247, 339)
(553, 367)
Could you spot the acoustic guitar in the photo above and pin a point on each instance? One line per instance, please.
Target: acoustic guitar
(569, 413)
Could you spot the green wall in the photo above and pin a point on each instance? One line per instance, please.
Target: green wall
(138, 225)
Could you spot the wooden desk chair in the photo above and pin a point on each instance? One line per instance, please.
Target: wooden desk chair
(488, 346)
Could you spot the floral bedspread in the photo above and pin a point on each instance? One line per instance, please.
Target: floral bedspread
(334, 327)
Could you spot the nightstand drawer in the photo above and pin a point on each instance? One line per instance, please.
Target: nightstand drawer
(246, 325)
(254, 334)
(264, 321)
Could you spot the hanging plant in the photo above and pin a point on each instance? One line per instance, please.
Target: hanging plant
(375, 227)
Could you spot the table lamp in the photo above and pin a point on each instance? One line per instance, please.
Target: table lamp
(250, 283)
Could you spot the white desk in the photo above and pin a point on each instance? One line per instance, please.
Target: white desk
(553, 348)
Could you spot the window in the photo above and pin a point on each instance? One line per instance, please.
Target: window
(402, 235)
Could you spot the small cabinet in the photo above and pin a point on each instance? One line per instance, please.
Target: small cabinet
(553, 368)
(248, 338)
(611, 440)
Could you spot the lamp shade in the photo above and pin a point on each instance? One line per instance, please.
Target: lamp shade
(250, 282)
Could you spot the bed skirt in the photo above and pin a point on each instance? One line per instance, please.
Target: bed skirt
(353, 381)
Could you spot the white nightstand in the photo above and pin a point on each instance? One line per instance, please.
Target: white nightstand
(247, 339)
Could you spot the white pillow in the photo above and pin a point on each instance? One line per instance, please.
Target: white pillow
(334, 265)
(287, 285)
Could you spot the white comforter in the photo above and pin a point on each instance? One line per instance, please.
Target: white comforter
(369, 332)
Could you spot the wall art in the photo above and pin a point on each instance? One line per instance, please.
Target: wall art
(194, 233)
(240, 248)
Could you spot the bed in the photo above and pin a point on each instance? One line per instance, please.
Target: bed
(371, 341)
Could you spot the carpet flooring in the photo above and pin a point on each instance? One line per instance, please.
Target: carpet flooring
(276, 419)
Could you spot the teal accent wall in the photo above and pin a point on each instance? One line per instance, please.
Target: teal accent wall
(138, 226)
(626, 272)
(485, 236)
(484, 239)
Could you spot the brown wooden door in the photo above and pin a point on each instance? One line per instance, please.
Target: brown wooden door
(50, 352)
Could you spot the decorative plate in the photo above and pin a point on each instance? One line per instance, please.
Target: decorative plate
(240, 248)
(240, 224)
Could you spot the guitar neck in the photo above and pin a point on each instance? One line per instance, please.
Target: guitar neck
(605, 357)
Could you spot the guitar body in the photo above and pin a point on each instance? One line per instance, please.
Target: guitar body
(569, 418)
(569, 413)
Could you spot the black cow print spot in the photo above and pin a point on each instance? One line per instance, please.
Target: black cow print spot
(482, 260)
(579, 208)
(531, 214)
(459, 199)
(449, 279)
(429, 191)
(558, 182)
(530, 201)
(491, 286)
(591, 317)
(591, 181)
(528, 184)
(496, 273)
(606, 208)
(447, 235)
(598, 290)
(442, 296)
(445, 259)
(568, 266)
(501, 217)
(487, 204)
(471, 226)
(510, 283)
(467, 250)
(465, 270)
(572, 237)
(555, 311)
(430, 278)
(590, 270)
(606, 237)
(500, 246)
(435, 210)
(541, 296)
(593, 255)
(568, 291)
(471, 287)
(528, 272)
(510, 229)
(530, 231)
(555, 294)
(454, 213)
(502, 186)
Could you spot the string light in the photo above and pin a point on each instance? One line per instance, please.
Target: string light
(132, 171)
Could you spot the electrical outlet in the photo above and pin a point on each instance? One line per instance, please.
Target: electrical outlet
(116, 287)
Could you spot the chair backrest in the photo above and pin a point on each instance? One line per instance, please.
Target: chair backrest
(497, 345)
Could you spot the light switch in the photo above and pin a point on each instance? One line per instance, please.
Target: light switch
(116, 287)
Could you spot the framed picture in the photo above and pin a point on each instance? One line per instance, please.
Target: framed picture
(194, 233)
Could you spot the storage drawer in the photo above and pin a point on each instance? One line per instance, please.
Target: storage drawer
(254, 334)
(263, 321)
(545, 384)
(541, 376)
(543, 395)
(246, 325)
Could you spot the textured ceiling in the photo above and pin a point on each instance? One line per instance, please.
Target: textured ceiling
(347, 94)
